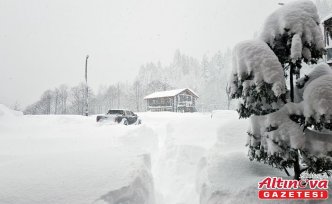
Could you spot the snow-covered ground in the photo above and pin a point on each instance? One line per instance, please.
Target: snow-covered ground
(170, 159)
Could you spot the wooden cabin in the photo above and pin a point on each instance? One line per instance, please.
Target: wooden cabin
(178, 100)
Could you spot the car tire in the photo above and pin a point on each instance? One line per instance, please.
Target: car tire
(124, 121)
(100, 118)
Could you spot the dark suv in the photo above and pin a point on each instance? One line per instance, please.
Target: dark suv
(121, 116)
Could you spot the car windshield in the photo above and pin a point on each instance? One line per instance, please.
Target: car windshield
(120, 112)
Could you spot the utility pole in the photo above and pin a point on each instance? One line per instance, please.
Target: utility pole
(86, 87)
(118, 94)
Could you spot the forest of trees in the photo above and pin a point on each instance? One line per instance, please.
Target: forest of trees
(207, 77)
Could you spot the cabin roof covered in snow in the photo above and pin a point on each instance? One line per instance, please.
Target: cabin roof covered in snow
(169, 93)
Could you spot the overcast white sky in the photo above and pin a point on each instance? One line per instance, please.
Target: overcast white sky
(44, 43)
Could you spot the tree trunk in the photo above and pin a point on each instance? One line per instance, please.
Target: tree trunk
(228, 92)
(291, 84)
(297, 170)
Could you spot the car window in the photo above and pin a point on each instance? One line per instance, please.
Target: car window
(115, 112)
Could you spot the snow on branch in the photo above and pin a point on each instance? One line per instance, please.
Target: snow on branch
(274, 138)
(257, 77)
(293, 31)
(288, 131)
(301, 84)
(318, 99)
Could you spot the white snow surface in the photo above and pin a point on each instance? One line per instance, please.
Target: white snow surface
(73, 159)
(313, 99)
(169, 93)
(6, 112)
(317, 98)
(171, 158)
(316, 92)
(296, 48)
(302, 20)
(288, 132)
(255, 56)
(318, 71)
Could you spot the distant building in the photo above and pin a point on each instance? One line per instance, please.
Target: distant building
(327, 24)
(179, 100)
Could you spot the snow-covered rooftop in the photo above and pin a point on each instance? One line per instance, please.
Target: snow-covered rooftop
(169, 93)
(327, 17)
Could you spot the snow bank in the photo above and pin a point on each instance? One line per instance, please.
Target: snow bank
(175, 173)
(225, 174)
(139, 191)
(171, 159)
(300, 19)
(255, 62)
(183, 140)
(6, 112)
(72, 159)
(231, 178)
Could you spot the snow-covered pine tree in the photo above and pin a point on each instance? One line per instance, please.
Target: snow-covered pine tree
(302, 131)
(294, 35)
(276, 137)
(257, 79)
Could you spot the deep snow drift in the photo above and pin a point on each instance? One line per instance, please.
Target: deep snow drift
(170, 159)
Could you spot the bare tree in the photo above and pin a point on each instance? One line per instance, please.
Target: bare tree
(77, 99)
(137, 93)
(63, 89)
(228, 93)
(56, 97)
(46, 101)
(16, 106)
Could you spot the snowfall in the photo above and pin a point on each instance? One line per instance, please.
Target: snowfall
(172, 158)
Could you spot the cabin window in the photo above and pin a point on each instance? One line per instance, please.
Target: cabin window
(160, 102)
(184, 98)
(329, 54)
